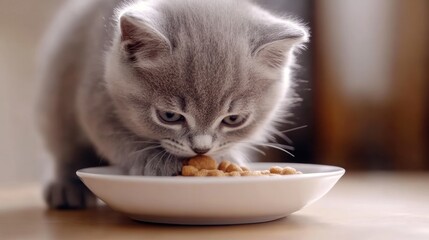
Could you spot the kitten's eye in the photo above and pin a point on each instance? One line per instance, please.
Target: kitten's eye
(234, 120)
(170, 117)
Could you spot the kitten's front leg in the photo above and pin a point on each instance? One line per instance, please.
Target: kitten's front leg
(67, 191)
(156, 162)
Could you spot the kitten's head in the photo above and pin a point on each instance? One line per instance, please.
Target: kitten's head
(200, 76)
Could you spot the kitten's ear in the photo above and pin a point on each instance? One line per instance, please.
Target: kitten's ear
(277, 41)
(140, 40)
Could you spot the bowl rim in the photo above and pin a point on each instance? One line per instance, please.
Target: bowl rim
(333, 171)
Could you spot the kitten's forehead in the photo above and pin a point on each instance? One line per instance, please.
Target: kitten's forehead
(170, 103)
(207, 84)
(211, 69)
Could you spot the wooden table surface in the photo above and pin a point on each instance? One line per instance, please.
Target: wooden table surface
(361, 206)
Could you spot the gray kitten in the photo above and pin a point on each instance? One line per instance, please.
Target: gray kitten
(147, 84)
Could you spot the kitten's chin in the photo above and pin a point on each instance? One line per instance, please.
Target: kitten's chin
(186, 155)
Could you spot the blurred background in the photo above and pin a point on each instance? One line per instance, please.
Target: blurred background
(363, 80)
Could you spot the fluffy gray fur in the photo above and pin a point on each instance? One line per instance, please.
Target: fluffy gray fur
(113, 68)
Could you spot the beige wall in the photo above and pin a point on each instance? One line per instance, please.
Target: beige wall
(22, 23)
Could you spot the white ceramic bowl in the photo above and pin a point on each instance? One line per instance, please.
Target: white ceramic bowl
(211, 200)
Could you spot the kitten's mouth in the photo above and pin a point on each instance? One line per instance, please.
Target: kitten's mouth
(176, 150)
(184, 151)
(186, 155)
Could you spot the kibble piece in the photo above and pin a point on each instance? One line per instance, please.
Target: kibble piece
(288, 171)
(233, 168)
(203, 162)
(202, 173)
(224, 165)
(245, 169)
(189, 171)
(215, 173)
(265, 172)
(276, 170)
(246, 174)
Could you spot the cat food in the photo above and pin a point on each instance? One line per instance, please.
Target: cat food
(189, 170)
(205, 166)
(203, 162)
(234, 168)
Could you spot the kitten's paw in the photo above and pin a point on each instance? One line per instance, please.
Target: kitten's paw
(68, 195)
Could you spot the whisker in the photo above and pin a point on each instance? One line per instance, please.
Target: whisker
(144, 150)
(167, 161)
(283, 121)
(276, 147)
(282, 136)
(149, 162)
(246, 158)
(253, 148)
(287, 147)
(294, 129)
(242, 155)
(221, 148)
(279, 148)
(149, 141)
(161, 161)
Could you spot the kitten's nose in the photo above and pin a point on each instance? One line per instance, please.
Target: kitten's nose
(201, 150)
(201, 144)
